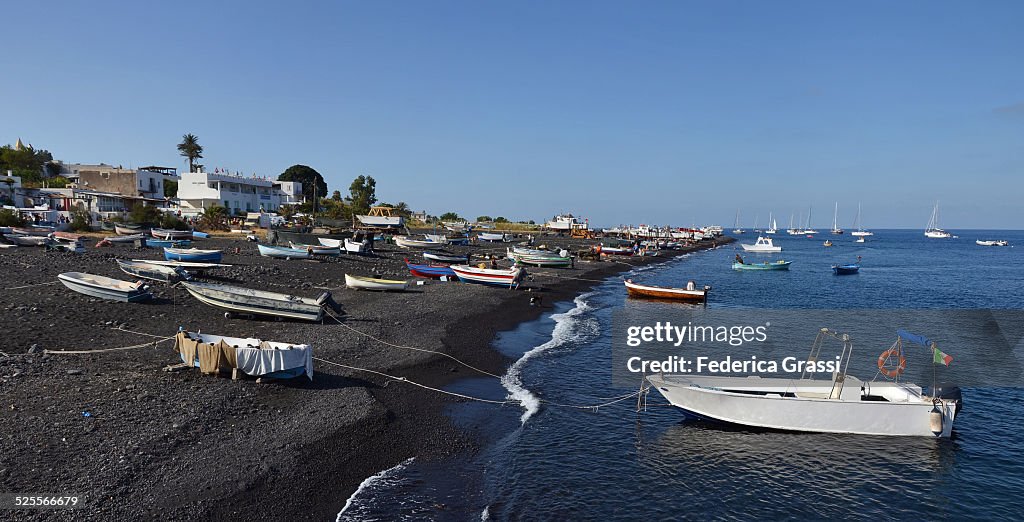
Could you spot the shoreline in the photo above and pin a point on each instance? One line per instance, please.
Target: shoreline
(185, 445)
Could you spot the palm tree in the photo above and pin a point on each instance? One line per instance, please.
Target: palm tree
(191, 149)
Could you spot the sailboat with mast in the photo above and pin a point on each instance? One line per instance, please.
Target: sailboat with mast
(807, 226)
(933, 230)
(860, 232)
(738, 229)
(835, 223)
(771, 224)
(792, 231)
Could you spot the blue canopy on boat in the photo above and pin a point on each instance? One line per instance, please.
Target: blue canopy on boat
(914, 338)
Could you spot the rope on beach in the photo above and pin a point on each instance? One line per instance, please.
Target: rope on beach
(101, 350)
(467, 365)
(30, 286)
(414, 383)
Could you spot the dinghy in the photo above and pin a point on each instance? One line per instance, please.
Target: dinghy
(445, 257)
(690, 294)
(408, 242)
(542, 258)
(834, 402)
(258, 302)
(172, 243)
(317, 250)
(616, 251)
(68, 236)
(266, 359)
(328, 242)
(848, 269)
(187, 265)
(105, 287)
(33, 230)
(164, 233)
(127, 230)
(282, 252)
(152, 271)
(193, 255)
(991, 242)
(774, 265)
(126, 239)
(505, 277)
(64, 245)
(491, 237)
(430, 271)
(354, 247)
(27, 240)
(369, 283)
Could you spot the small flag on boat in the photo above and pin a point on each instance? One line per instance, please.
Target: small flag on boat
(939, 357)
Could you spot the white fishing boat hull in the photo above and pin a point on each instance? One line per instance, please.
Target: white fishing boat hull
(127, 231)
(105, 287)
(328, 242)
(405, 242)
(808, 405)
(27, 240)
(381, 221)
(125, 239)
(258, 302)
(367, 283)
(153, 271)
(861, 233)
(763, 244)
(282, 252)
(993, 242)
(354, 247)
(937, 234)
(490, 237)
(317, 250)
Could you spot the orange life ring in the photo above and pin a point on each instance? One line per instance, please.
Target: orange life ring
(891, 372)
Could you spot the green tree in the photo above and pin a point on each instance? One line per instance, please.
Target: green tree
(401, 208)
(500, 219)
(57, 182)
(80, 220)
(214, 217)
(144, 214)
(286, 211)
(336, 195)
(10, 218)
(170, 189)
(313, 184)
(483, 219)
(191, 149)
(362, 194)
(449, 216)
(26, 163)
(336, 209)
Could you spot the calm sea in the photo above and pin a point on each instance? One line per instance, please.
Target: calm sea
(548, 461)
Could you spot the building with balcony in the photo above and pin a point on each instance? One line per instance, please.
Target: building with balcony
(107, 178)
(239, 194)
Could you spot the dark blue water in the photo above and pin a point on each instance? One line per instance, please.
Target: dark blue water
(564, 462)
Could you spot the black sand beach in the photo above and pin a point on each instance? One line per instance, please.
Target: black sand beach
(140, 442)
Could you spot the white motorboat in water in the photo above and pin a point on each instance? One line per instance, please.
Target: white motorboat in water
(763, 244)
(839, 404)
(992, 242)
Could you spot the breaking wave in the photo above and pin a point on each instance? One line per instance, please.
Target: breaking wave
(380, 480)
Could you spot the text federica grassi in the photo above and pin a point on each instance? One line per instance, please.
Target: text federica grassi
(689, 333)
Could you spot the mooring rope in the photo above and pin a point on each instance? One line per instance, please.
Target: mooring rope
(101, 350)
(30, 286)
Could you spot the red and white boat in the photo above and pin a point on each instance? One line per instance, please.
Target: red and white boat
(691, 293)
(505, 277)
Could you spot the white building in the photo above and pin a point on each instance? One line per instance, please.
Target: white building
(198, 190)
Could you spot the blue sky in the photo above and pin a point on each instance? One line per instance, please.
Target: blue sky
(638, 112)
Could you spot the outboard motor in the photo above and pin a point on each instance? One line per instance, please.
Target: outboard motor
(948, 392)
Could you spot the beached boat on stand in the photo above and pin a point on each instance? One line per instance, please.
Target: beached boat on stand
(507, 277)
(236, 299)
(370, 283)
(690, 294)
(839, 404)
(282, 252)
(491, 237)
(152, 271)
(105, 287)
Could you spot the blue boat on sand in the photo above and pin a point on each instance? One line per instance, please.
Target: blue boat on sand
(164, 243)
(430, 271)
(193, 255)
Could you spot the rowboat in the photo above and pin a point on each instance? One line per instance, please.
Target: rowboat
(266, 359)
(849, 269)
(258, 302)
(68, 236)
(164, 233)
(774, 265)
(445, 257)
(64, 245)
(827, 243)
(152, 271)
(126, 239)
(430, 271)
(127, 230)
(27, 240)
(192, 254)
(543, 258)
(105, 287)
(763, 244)
(329, 242)
(187, 265)
(33, 231)
(317, 250)
(354, 247)
(616, 251)
(460, 240)
(369, 283)
(407, 242)
(282, 252)
(691, 293)
(859, 239)
(164, 243)
(827, 401)
(491, 237)
(507, 277)
(991, 242)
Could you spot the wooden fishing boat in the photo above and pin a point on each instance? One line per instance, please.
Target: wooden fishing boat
(282, 252)
(616, 251)
(445, 257)
(127, 230)
(64, 245)
(187, 265)
(491, 237)
(126, 239)
(236, 299)
(192, 254)
(33, 231)
(430, 271)
(504, 277)
(27, 240)
(164, 233)
(105, 287)
(773, 265)
(172, 243)
(828, 243)
(849, 269)
(68, 236)
(408, 242)
(317, 250)
(544, 259)
(255, 357)
(370, 283)
(153, 271)
(689, 294)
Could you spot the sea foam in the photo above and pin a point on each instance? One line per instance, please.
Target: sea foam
(381, 477)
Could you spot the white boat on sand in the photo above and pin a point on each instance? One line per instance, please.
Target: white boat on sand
(152, 271)
(105, 287)
(763, 244)
(259, 302)
(839, 404)
(370, 283)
